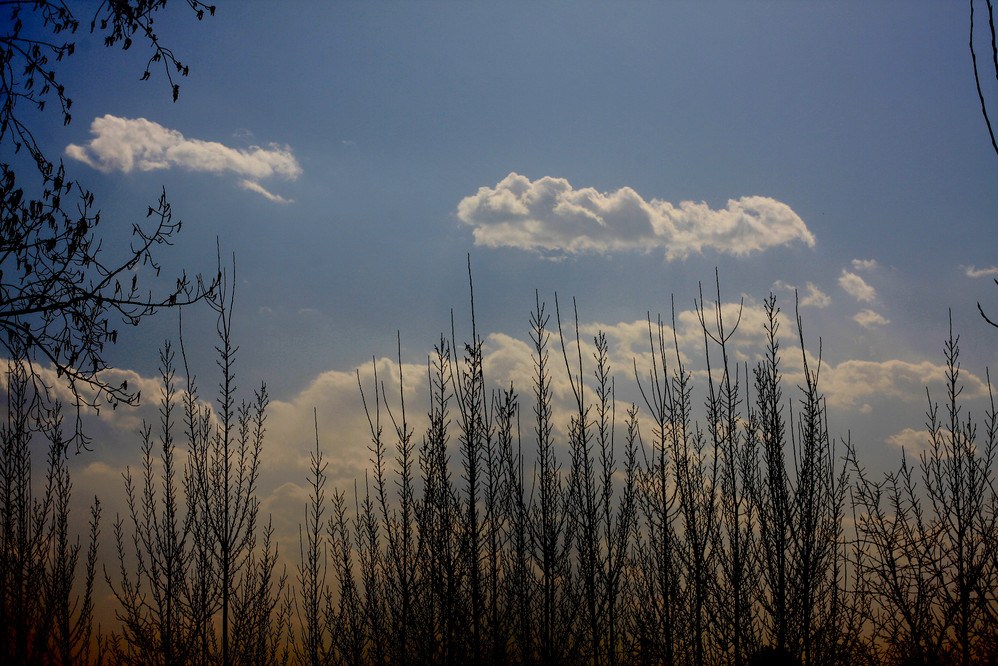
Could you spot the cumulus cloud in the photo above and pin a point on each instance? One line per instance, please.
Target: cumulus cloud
(344, 432)
(973, 272)
(550, 215)
(870, 319)
(857, 287)
(129, 144)
(123, 419)
(852, 383)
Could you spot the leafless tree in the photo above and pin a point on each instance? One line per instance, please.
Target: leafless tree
(660, 614)
(44, 617)
(440, 572)
(262, 609)
(61, 290)
(772, 487)
(313, 602)
(958, 473)
(547, 521)
(602, 527)
(899, 549)
(735, 444)
(348, 624)
(158, 618)
(223, 473)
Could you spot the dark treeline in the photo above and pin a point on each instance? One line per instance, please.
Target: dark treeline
(715, 521)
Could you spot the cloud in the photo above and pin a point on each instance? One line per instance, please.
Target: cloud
(243, 134)
(922, 441)
(129, 144)
(814, 297)
(122, 419)
(549, 215)
(344, 433)
(865, 264)
(870, 319)
(973, 272)
(261, 190)
(852, 383)
(911, 440)
(857, 287)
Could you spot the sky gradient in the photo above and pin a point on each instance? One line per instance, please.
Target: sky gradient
(352, 154)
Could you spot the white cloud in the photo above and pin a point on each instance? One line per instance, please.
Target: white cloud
(973, 272)
(253, 186)
(344, 434)
(857, 287)
(549, 215)
(124, 418)
(870, 319)
(864, 264)
(852, 383)
(814, 297)
(911, 440)
(129, 144)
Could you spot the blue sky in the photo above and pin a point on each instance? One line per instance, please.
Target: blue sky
(358, 151)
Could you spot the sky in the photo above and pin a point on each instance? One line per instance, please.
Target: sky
(351, 156)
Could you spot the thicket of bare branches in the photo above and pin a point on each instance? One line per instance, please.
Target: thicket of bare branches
(724, 532)
(46, 606)
(738, 533)
(192, 585)
(729, 532)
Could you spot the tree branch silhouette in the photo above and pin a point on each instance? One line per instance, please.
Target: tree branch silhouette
(994, 60)
(60, 289)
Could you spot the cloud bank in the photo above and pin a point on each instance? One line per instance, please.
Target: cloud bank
(853, 382)
(129, 144)
(550, 215)
(344, 432)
